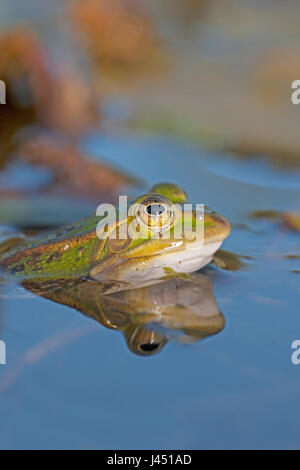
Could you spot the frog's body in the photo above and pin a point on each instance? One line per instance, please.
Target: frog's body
(83, 250)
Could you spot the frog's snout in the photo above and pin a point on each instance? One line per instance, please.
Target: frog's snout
(225, 226)
(218, 227)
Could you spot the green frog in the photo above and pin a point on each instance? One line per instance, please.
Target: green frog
(86, 249)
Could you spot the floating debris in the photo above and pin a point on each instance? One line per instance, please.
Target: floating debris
(230, 261)
(266, 214)
(72, 168)
(292, 220)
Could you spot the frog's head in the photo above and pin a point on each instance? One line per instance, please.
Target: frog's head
(166, 235)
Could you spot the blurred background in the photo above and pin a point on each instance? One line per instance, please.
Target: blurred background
(218, 73)
(107, 97)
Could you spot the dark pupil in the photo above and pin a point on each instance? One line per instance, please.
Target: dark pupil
(155, 209)
(149, 346)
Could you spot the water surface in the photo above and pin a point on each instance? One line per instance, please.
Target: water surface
(71, 383)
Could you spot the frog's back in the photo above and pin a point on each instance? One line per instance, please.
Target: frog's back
(81, 228)
(65, 252)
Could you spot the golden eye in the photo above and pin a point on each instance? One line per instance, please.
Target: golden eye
(156, 212)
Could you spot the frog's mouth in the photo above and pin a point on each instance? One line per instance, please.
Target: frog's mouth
(192, 258)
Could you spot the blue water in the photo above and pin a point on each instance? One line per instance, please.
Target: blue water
(71, 383)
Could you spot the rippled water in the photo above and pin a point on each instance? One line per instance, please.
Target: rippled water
(70, 382)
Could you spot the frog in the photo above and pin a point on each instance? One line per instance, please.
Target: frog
(86, 249)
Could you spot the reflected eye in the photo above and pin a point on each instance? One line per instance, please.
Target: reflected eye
(156, 212)
(144, 341)
(149, 347)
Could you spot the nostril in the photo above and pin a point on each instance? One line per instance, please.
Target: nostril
(148, 347)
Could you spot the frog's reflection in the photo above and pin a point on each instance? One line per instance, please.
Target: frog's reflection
(148, 317)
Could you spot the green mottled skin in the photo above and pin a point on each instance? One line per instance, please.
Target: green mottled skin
(67, 252)
(72, 251)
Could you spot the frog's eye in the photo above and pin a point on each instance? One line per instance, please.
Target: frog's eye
(156, 212)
